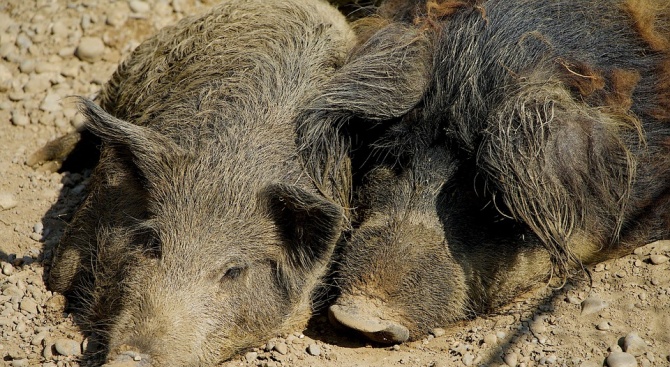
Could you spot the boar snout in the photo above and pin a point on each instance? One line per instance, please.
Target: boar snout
(373, 321)
(129, 357)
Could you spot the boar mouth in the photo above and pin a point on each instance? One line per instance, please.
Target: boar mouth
(372, 327)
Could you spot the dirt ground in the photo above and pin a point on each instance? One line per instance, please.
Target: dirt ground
(51, 49)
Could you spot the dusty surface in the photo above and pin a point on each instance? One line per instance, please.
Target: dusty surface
(38, 68)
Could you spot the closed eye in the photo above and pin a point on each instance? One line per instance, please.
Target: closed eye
(232, 273)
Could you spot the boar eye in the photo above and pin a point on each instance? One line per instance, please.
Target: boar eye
(232, 273)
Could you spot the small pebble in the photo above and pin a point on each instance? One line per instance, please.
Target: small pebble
(438, 332)
(116, 18)
(7, 200)
(592, 305)
(27, 66)
(48, 351)
(38, 228)
(18, 119)
(20, 363)
(510, 359)
(29, 305)
(621, 359)
(67, 347)
(51, 103)
(7, 269)
(491, 339)
(281, 348)
(605, 325)
(538, 327)
(658, 259)
(633, 344)
(251, 357)
(139, 6)
(313, 349)
(467, 359)
(90, 49)
(615, 348)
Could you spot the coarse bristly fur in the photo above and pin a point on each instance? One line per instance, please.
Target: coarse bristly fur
(541, 143)
(204, 232)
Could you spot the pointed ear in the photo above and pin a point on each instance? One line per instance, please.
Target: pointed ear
(146, 146)
(309, 225)
(385, 76)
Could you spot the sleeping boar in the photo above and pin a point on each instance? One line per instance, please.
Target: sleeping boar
(541, 143)
(204, 232)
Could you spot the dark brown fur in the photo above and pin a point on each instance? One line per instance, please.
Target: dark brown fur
(540, 145)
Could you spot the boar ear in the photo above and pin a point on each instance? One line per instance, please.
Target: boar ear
(384, 78)
(145, 145)
(308, 224)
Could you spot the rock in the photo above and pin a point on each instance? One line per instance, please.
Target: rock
(633, 344)
(38, 227)
(605, 325)
(281, 348)
(313, 349)
(48, 351)
(67, 347)
(90, 49)
(251, 357)
(621, 359)
(510, 359)
(27, 66)
(438, 332)
(5, 73)
(29, 305)
(18, 119)
(20, 363)
(658, 259)
(37, 84)
(55, 303)
(7, 200)
(138, 6)
(537, 326)
(615, 348)
(468, 359)
(23, 41)
(116, 18)
(51, 103)
(46, 67)
(38, 338)
(592, 305)
(490, 339)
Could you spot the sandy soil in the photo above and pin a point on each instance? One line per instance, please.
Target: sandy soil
(628, 297)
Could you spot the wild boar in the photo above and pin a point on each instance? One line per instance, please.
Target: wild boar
(204, 232)
(541, 144)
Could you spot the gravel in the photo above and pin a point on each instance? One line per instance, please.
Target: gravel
(52, 49)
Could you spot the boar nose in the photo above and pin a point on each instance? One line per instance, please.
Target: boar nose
(359, 315)
(128, 358)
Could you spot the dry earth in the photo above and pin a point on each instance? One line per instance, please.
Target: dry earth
(40, 64)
